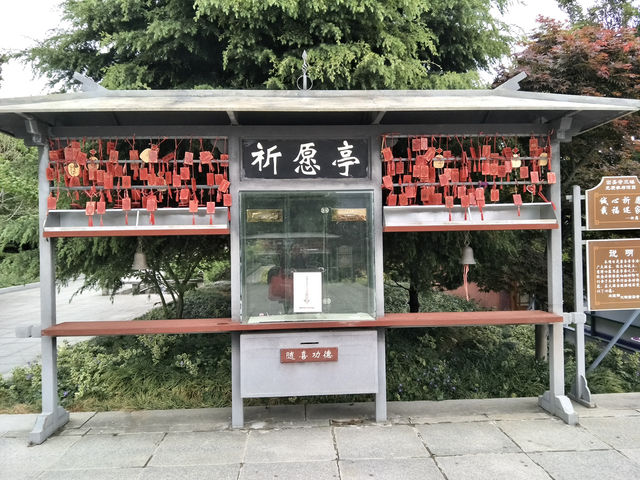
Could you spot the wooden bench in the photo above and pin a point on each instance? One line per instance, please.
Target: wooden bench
(226, 325)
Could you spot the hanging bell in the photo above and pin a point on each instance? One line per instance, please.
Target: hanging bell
(139, 259)
(467, 256)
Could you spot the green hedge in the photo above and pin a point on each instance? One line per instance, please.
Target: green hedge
(191, 371)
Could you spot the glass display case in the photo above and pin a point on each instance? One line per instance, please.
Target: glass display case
(307, 256)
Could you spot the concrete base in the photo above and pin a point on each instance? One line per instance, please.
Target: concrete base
(47, 424)
(580, 393)
(560, 406)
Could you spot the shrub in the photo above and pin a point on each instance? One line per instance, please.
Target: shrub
(191, 371)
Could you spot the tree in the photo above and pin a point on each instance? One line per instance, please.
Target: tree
(364, 44)
(3, 59)
(586, 59)
(230, 44)
(611, 14)
(174, 263)
(18, 212)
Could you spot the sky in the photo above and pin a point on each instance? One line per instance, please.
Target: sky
(25, 22)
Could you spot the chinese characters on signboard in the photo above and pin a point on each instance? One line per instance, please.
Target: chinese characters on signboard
(614, 204)
(613, 279)
(307, 355)
(289, 159)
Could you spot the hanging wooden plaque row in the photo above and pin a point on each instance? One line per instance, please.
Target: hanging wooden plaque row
(149, 174)
(449, 171)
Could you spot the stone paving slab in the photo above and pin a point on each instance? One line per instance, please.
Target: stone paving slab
(200, 448)
(18, 460)
(93, 474)
(109, 451)
(632, 454)
(290, 471)
(202, 419)
(290, 445)
(390, 469)
(398, 441)
(619, 432)
(341, 412)
(549, 435)
(506, 466)
(200, 443)
(616, 401)
(465, 438)
(606, 412)
(593, 465)
(204, 472)
(13, 425)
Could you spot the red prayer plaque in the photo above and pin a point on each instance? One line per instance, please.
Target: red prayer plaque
(152, 204)
(224, 185)
(309, 355)
(535, 178)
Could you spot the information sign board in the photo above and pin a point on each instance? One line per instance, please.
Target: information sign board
(614, 204)
(613, 274)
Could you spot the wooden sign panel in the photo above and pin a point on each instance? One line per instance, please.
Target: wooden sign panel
(614, 204)
(308, 355)
(308, 158)
(613, 274)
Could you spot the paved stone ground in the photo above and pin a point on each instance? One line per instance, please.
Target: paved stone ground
(20, 307)
(452, 440)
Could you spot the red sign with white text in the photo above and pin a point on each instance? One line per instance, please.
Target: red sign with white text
(308, 355)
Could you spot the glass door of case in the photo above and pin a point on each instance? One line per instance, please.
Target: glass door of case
(307, 256)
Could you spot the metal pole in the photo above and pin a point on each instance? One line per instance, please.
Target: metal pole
(554, 400)
(579, 390)
(632, 317)
(53, 416)
(381, 395)
(237, 409)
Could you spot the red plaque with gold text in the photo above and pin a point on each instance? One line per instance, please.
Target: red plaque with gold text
(308, 355)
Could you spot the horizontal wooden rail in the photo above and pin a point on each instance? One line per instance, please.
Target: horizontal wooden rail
(225, 325)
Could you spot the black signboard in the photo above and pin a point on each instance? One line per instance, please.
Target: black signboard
(306, 158)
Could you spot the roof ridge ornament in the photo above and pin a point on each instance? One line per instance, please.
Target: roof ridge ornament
(513, 83)
(305, 78)
(88, 84)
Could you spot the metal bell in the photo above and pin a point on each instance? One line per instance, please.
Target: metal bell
(467, 256)
(140, 261)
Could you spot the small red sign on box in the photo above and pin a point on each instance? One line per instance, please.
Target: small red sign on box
(309, 355)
